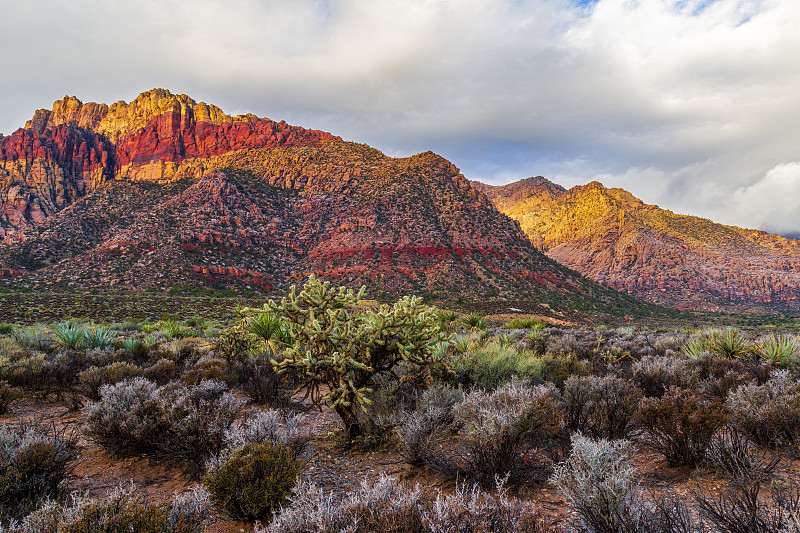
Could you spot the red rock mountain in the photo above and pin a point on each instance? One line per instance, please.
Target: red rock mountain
(676, 260)
(168, 194)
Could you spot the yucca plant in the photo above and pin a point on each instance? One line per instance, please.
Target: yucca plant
(172, 329)
(696, 348)
(505, 340)
(129, 343)
(270, 329)
(780, 349)
(99, 337)
(152, 339)
(475, 321)
(461, 343)
(440, 350)
(730, 343)
(447, 319)
(148, 327)
(535, 335)
(69, 336)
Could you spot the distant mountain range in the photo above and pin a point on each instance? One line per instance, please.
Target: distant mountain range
(167, 194)
(675, 260)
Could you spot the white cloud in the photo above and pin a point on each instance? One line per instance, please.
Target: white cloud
(772, 202)
(684, 102)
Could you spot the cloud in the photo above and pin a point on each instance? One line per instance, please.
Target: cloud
(684, 102)
(771, 202)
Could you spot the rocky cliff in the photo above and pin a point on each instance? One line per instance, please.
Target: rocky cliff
(678, 260)
(168, 194)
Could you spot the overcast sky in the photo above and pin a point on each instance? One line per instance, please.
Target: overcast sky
(693, 105)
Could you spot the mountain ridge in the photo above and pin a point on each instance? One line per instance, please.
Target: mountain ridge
(678, 260)
(175, 195)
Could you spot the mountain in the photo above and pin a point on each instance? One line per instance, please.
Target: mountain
(676, 260)
(167, 194)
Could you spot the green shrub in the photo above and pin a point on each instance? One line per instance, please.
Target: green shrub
(34, 464)
(527, 322)
(32, 339)
(557, 368)
(490, 366)
(253, 481)
(6, 328)
(44, 373)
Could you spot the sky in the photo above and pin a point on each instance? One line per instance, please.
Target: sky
(693, 105)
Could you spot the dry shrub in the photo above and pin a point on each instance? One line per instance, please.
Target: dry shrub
(207, 369)
(7, 396)
(176, 421)
(501, 430)
(162, 371)
(94, 377)
(768, 414)
(656, 374)
(35, 462)
(602, 407)
(123, 510)
(389, 507)
(258, 379)
(752, 507)
(732, 454)
(598, 482)
(273, 427)
(680, 425)
(421, 430)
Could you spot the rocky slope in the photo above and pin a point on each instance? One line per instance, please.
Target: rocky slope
(168, 194)
(677, 260)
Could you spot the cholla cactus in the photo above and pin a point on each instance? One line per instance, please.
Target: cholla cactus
(335, 344)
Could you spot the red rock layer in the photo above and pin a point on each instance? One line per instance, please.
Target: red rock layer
(74, 148)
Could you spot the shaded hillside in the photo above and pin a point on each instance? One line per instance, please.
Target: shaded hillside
(677, 260)
(187, 198)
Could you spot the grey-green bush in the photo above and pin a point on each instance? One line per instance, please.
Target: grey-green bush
(177, 421)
